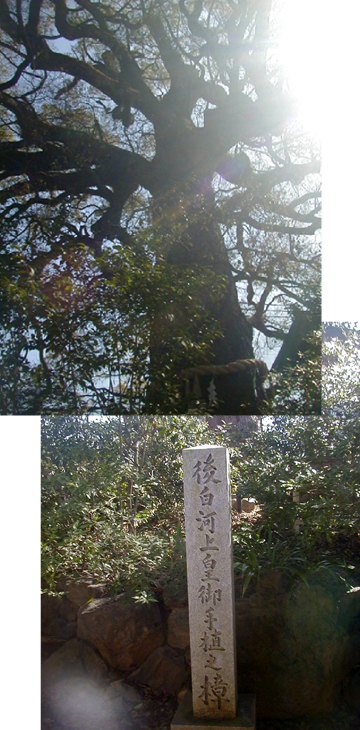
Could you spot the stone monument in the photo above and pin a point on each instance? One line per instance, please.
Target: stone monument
(213, 703)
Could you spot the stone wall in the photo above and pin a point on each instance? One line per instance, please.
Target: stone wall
(297, 650)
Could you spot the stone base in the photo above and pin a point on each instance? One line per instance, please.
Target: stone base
(244, 720)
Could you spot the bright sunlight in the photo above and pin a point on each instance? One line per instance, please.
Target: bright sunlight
(301, 50)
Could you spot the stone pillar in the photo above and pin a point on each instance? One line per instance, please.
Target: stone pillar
(211, 597)
(210, 581)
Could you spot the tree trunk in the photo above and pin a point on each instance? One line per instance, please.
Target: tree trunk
(300, 340)
(207, 324)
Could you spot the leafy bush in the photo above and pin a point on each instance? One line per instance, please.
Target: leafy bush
(112, 498)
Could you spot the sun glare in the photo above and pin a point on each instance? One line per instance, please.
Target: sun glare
(301, 50)
(318, 48)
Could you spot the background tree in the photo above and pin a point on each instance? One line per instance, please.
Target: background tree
(159, 200)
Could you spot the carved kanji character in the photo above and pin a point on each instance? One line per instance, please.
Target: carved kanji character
(205, 693)
(197, 472)
(209, 544)
(206, 497)
(216, 641)
(219, 688)
(208, 562)
(205, 641)
(210, 618)
(207, 594)
(207, 521)
(210, 663)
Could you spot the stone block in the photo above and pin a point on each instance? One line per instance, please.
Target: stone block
(76, 694)
(123, 632)
(81, 591)
(58, 617)
(163, 670)
(178, 635)
(248, 504)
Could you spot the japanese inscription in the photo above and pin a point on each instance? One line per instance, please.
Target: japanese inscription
(210, 581)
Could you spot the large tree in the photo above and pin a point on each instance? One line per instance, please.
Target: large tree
(160, 202)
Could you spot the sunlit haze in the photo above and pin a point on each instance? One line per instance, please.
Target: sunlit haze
(319, 48)
(301, 50)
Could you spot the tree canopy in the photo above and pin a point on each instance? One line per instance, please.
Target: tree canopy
(160, 203)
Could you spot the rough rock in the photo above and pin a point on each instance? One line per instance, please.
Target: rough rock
(121, 699)
(349, 618)
(175, 600)
(81, 591)
(58, 617)
(351, 690)
(178, 633)
(120, 691)
(349, 608)
(291, 651)
(49, 646)
(75, 658)
(74, 683)
(76, 693)
(124, 633)
(248, 504)
(163, 670)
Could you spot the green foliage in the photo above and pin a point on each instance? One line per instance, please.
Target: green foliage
(112, 495)
(142, 565)
(317, 458)
(298, 387)
(91, 332)
(314, 458)
(261, 549)
(341, 386)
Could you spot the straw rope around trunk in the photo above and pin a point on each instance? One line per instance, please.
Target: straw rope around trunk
(257, 368)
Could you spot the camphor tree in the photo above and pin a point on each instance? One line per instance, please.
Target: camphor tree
(160, 203)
